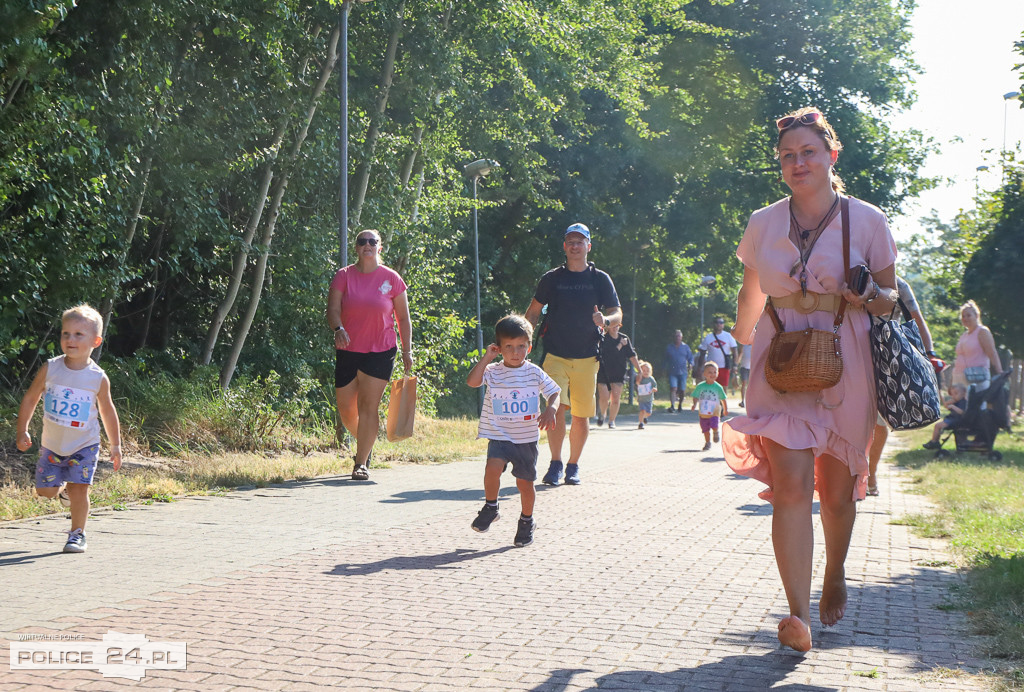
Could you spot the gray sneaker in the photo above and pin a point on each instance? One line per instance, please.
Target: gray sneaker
(483, 520)
(524, 534)
(76, 542)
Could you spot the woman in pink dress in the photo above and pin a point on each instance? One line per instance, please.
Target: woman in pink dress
(976, 356)
(365, 302)
(805, 443)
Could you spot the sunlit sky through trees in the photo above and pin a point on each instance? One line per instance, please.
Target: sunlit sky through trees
(967, 52)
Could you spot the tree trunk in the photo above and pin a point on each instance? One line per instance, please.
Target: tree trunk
(133, 223)
(153, 292)
(260, 272)
(387, 78)
(238, 265)
(242, 256)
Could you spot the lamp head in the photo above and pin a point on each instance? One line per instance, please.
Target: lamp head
(707, 281)
(480, 168)
(1010, 95)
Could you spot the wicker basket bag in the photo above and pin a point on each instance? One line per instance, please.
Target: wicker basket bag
(808, 360)
(803, 361)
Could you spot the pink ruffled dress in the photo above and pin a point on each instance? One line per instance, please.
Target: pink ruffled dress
(838, 421)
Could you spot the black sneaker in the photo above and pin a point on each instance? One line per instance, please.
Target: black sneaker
(707, 446)
(483, 520)
(600, 421)
(524, 534)
(931, 444)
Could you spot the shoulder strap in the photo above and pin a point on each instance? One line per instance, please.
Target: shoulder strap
(844, 212)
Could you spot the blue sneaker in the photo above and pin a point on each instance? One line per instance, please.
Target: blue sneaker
(554, 473)
(572, 474)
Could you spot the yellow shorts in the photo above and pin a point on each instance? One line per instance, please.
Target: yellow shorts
(578, 379)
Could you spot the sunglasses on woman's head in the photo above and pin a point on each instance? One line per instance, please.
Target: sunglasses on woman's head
(791, 120)
(366, 241)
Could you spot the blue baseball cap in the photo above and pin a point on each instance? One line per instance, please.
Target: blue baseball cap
(579, 228)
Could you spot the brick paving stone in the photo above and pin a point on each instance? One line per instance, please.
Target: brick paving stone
(664, 580)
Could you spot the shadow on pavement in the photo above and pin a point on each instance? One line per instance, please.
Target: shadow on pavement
(24, 556)
(470, 494)
(732, 672)
(404, 562)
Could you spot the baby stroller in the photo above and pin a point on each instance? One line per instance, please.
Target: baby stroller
(978, 429)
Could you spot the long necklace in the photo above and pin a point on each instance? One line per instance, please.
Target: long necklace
(807, 238)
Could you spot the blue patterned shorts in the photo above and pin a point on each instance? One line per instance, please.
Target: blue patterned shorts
(53, 469)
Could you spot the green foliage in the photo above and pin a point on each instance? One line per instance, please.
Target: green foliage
(136, 136)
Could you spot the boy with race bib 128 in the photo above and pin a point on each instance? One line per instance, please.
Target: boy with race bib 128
(74, 390)
(512, 418)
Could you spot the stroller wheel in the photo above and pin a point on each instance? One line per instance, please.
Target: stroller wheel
(995, 456)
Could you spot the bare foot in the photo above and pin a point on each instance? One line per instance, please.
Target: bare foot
(832, 606)
(795, 633)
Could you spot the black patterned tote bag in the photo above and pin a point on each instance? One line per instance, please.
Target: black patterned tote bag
(907, 392)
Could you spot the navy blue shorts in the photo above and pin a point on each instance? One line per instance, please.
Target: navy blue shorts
(522, 456)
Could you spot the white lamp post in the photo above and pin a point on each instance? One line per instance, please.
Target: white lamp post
(705, 282)
(346, 7)
(1007, 97)
(475, 171)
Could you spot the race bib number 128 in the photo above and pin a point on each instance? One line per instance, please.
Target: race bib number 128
(68, 406)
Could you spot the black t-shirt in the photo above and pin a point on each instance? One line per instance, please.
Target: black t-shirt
(615, 353)
(569, 330)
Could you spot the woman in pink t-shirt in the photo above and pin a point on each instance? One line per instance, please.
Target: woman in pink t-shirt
(364, 304)
(976, 354)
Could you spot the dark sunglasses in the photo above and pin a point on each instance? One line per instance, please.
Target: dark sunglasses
(791, 120)
(366, 241)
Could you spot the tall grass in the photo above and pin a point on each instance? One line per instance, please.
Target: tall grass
(199, 439)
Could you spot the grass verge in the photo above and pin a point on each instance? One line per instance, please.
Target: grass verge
(143, 480)
(980, 509)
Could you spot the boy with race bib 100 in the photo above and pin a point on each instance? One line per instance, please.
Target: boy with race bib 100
(74, 390)
(511, 419)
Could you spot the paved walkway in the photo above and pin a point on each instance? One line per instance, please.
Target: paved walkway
(656, 574)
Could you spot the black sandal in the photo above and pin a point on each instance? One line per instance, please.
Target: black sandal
(360, 473)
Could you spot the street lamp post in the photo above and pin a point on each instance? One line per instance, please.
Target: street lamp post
(475, 171)
(977, 171)
(632, 312)
(705, 282)
(1007, 97)
(346, 7)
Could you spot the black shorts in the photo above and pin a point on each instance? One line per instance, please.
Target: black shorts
(379, 364)
(609, 377)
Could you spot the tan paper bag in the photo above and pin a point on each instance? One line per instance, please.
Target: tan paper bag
(402, 409)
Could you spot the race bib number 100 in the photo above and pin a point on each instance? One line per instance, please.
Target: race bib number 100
(512, 405)
(68, 406)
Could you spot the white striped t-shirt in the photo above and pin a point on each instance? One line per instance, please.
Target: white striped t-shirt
(513, 402)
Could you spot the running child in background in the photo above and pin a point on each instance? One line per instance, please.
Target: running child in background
(646, 386)
(511, 419)
(711, 397)
(76, 389)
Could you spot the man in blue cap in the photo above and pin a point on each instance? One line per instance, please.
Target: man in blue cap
(581, 301)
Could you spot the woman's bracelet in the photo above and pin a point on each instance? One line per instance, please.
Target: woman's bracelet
(875, 294)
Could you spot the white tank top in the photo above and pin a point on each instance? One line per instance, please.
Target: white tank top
(70, 416)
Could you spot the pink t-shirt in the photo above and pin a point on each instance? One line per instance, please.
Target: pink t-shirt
(368, 308)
